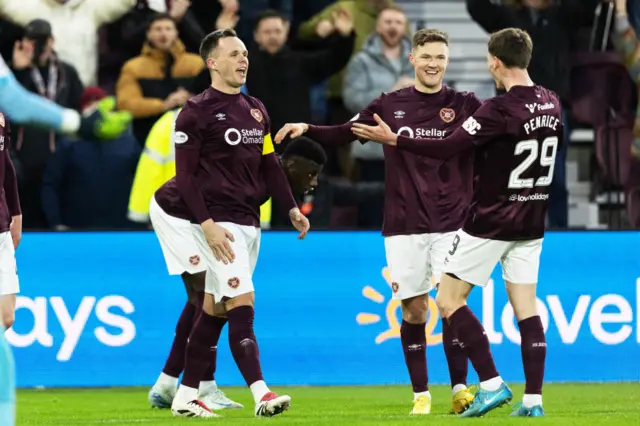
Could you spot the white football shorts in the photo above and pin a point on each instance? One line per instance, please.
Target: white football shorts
(9, 283)
(186, 250)
(415, 262)
(472, 259)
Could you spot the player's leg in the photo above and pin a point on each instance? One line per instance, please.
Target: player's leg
(9, 287)
(471, 260)
(408, 262)
(238, 291)
(8, 309)
(520, 270)
(7, 382)
(163, 391)
(457, 360)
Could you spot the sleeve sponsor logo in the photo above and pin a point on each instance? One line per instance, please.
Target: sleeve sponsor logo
(180, 137)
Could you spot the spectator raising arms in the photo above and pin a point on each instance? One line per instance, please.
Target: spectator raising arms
(283, 77)
(75, 26)
(154, 82)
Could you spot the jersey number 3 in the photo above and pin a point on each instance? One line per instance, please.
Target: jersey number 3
(546, 157)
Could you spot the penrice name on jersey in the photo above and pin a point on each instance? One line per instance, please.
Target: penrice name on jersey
(541, 121)
(421, 133)
(247, 136)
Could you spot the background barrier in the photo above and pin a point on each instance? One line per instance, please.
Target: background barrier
(98, 309)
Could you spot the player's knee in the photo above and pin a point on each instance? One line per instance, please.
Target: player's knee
(8, 318)
(415, 309)
(446, 304)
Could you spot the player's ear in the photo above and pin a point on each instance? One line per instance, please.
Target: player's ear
(412, 58)
(211, 63)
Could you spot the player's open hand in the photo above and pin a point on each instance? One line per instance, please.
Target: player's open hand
(293, 130)
(300, 222)
(381, 133)
(218, 240)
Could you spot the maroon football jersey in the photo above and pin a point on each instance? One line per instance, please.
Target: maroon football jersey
(422, 195)
(9, 200)
(517, 136)
(222, 144)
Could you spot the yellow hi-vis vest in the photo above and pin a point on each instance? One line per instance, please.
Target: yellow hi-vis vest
(157, 165)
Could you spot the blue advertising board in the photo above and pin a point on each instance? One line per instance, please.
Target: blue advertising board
(98, 309)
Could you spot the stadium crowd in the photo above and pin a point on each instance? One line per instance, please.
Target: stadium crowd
(314, 61)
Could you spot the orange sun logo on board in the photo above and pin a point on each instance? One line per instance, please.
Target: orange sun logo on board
(255, 113)
(447, 115)
(393, 314)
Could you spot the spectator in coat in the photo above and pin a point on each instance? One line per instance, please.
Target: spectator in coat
(75, 26)
(87, 182)
(156, 81)
(381, 66)
(551, 25)
(281, 77)
(38, 69)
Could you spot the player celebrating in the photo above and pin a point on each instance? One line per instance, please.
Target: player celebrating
(516, 136)
(302, 161)
(225, 165)
(425, 202)
(10, 234)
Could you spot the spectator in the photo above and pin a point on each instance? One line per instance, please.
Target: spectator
(627, 43)
(381, 66)
(155, 81)
(304, 10)
(216, 15)
(87, 183)
(38, 69)
(251, 10)
(364, 13)
(9, 34)
(135, 24)
(75, 26)
(551, 27)
(281, 78)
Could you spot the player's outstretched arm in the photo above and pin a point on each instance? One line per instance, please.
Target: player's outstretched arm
(24, 107)
(325, 135)
(442, 149)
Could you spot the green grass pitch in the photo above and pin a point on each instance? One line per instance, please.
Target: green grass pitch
(565, 404)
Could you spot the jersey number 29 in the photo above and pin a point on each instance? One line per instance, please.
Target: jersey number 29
(546, 156)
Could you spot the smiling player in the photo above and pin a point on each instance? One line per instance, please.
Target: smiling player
(516, 137)
(225, 164)
(425, 202)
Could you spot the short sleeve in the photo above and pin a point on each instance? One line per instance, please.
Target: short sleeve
(486, 124)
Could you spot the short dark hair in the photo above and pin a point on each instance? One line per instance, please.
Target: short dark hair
(424, 36)
(512, 46)
(305, 147)
(159, 17)
(210, 42)
(268, 14)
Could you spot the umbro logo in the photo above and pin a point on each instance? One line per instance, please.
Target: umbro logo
(399, 114)
(221, 116)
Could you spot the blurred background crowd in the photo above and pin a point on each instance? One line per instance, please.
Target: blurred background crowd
(316, 61)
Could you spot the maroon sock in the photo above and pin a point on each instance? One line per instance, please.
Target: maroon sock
(474, 342)
(243, 343)
(202, 340)
(414, 345)
(456, 358)
(175, 362)
(534, 352)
